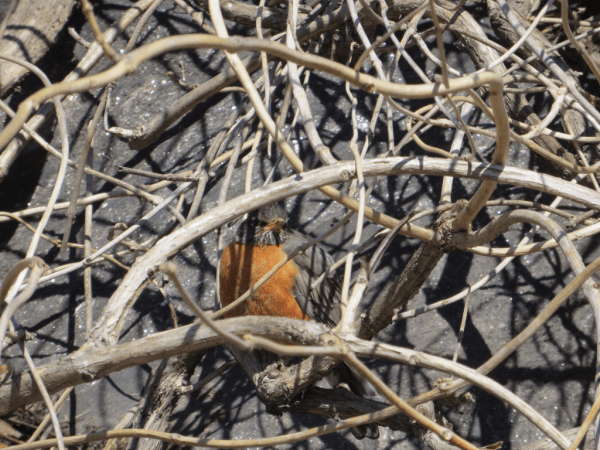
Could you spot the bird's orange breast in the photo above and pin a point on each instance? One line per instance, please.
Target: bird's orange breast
(242, 266)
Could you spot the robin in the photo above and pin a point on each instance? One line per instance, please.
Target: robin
(263, 240)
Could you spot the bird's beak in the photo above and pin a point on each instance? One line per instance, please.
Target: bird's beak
(276, 225)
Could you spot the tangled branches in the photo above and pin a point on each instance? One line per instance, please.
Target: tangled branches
(358, 111)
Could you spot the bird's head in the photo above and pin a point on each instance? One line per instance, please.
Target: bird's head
(267, 226)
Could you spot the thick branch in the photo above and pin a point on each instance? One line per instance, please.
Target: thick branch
(160, 397)
(405, 287)
(91, 363)
(246, 14)
(149, 133)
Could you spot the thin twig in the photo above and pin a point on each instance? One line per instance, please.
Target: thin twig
(57, 406)
(40, 385)
(88, 11)
(171, 270)
(564, 15)
(91, 132)
(158, 176)
(462, 325)
(14, 277)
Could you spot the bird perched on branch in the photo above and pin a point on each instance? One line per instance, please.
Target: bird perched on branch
(262, 241)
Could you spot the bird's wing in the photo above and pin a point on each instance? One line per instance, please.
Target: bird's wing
(321, 304)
